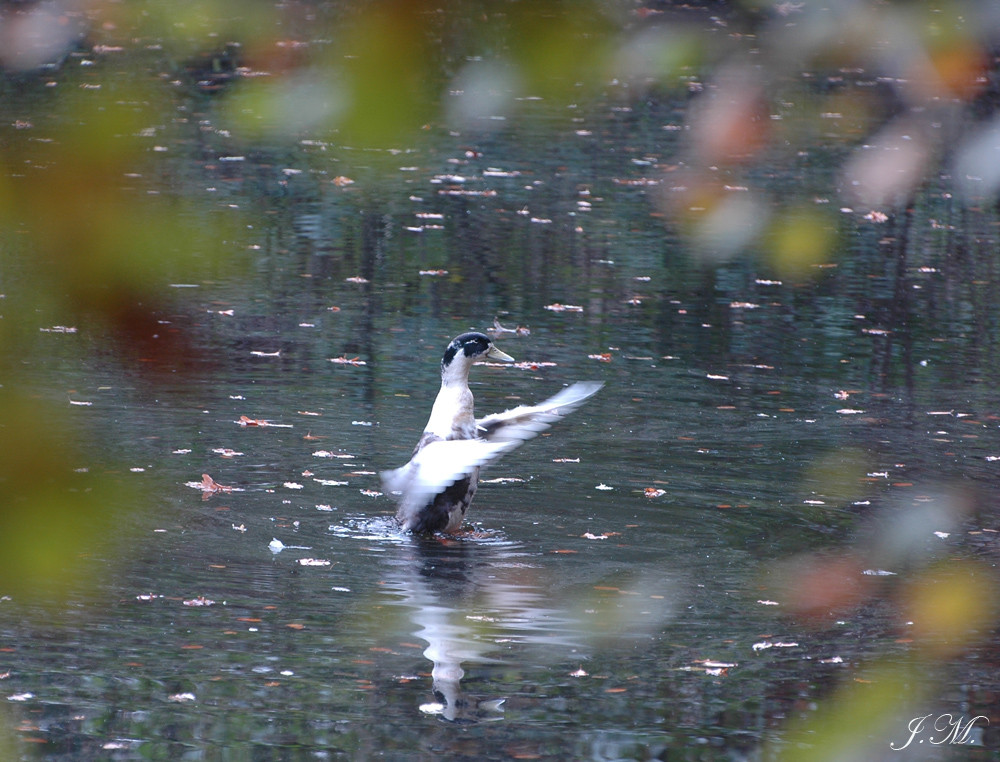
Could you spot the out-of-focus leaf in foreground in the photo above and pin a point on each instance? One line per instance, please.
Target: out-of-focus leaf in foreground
(58, 508)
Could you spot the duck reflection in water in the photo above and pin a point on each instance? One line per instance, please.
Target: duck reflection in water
(468, 599)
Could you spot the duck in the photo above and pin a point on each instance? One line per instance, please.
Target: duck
(434, 489)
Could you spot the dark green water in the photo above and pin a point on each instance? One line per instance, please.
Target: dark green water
(587, 615)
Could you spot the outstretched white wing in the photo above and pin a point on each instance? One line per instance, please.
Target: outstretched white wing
(521, 423)
(437, 465)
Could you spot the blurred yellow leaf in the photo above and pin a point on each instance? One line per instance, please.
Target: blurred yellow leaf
(799, 239)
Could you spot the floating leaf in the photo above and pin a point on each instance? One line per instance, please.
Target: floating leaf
(209, 486)
(199, 601)
(247, 421)
(328, 454)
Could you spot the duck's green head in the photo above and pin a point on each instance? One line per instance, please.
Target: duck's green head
(472, 346)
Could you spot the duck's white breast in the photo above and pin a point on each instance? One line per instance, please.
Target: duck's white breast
(452, 416)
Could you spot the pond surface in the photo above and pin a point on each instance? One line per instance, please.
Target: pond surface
(624, 587)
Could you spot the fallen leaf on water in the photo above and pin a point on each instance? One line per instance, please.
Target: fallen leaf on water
(247, 421)
(465, 192)
(500, 330)
(602, 357)
(528, 365)
(209, 486)
(654, 492)
(636, 181)
(201, 600)
(340, 181)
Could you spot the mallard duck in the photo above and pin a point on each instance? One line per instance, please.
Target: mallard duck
(435, 488)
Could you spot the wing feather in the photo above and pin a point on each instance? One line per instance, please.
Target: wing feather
(438, 465)
(521, 423)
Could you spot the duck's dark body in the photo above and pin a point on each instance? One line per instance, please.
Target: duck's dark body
(437, 485)
(446, 511)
